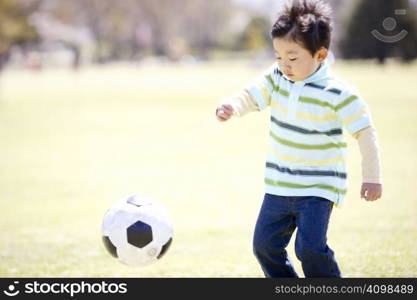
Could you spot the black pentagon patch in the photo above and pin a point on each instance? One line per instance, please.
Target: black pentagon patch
(139, 234)
(109, 246)
(165, 248)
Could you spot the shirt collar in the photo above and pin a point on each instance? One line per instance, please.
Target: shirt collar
(322, 73)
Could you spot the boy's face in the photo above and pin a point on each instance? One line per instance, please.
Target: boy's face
(295, 61)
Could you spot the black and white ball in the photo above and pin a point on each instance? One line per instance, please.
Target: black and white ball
(137, 230)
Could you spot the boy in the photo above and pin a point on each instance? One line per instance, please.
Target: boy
(305, 171)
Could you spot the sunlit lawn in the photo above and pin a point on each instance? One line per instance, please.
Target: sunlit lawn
(71, 143)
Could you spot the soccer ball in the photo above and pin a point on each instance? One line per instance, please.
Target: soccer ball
(137, 230)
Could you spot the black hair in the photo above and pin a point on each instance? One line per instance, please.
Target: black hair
(305, 21)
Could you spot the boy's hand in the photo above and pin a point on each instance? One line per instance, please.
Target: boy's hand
(224, 112)
(371, 191)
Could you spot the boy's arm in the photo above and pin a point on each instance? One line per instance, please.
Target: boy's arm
(238, 105)
(255, 97)
(371, 167)
(355, 115)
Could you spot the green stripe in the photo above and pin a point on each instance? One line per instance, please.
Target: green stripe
(345, 102)
(306, 146)
(285, 93)
(303, 186)
(316, 101)
(270, 80)
(275, 87)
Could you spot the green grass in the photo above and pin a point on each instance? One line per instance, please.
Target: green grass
(71, 143)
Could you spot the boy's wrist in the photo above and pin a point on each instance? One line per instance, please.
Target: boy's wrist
(372, 180)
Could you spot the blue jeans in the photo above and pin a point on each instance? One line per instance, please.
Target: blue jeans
(278, 218)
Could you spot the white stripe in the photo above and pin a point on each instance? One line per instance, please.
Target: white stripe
(293, 101)
(300, 161)
(318, 154)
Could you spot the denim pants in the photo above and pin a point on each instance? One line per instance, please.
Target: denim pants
(278, 218)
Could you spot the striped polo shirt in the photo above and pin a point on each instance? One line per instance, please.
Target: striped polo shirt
(307, 149)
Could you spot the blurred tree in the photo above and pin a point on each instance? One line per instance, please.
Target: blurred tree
(111, 25)
(203, 24)
(381, 29)
(122, 29)
(106, 21)
(162, 19)
(15, 28)
(256, 35)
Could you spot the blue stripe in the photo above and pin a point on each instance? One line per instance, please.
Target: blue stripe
(305, 172)
(332, 90)
(313, 85)
(336, 131)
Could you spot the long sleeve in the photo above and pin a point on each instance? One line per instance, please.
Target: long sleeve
(257, 95)
(242, 103)
(368, 145)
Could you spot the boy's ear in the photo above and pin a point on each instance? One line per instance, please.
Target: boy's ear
(321, 54)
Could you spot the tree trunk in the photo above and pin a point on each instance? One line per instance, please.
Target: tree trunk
(4, 57)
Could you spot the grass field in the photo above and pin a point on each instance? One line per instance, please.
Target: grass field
(71, 143)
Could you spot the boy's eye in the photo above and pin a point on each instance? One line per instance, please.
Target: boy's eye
(292, 59)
